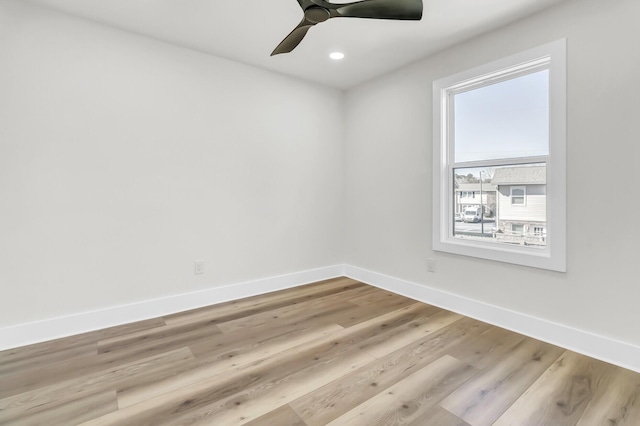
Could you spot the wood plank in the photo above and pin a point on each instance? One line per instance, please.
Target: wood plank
(485, 398)
(251, 305)
(380, 296)
(155, 334)
(219, 363)
(361, 313)
(302, 311)
(487, 348)
(231, 345)
(159, 343)
(38, 352)
(242, 396)
(79, 408)
(261, 398)
(325, 314)
(283, 416)
(616, 404)
(366, 336)
(396, 338)
(45, 357)
(24, 380)
(283, 369)
(438, 416)
(336, 398)
(49, 397)
(411, 397)
(561, 394)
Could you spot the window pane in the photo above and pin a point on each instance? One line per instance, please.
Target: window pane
(497, 214)
(509, 119)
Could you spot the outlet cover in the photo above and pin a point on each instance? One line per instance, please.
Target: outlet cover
(431, 265)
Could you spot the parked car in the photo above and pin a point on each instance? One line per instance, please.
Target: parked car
(458, 217)
(472, 214)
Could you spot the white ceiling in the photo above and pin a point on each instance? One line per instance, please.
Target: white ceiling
(247, 31)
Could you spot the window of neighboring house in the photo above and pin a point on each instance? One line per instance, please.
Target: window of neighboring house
(518, 195)
(538, 231)
(502, 126)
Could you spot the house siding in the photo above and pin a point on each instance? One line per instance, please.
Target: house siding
(534, 210)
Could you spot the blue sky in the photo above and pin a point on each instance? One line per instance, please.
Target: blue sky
(504, 120)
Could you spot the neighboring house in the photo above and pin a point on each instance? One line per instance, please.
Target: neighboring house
(468, 195)
(521, 204)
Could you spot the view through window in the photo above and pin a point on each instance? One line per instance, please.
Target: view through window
(505, 199)
(503, 121)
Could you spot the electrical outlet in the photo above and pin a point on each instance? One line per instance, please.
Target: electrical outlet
(198, 267)
(431, 265)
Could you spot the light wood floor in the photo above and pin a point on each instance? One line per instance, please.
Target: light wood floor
(336, 352)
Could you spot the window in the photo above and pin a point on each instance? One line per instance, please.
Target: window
(518, 194)
(499, 130)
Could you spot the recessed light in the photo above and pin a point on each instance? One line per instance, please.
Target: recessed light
(336, 56)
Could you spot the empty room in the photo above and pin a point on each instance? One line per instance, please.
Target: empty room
(305, 213)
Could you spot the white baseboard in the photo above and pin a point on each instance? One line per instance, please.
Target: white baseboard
(54, 328)
(615, 352)
(599, 347)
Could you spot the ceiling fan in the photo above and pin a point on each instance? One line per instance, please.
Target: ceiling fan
(316, 11)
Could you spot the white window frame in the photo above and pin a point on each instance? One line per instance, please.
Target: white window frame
(523, 196)
(552, 256)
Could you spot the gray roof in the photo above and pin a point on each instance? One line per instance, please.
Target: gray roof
(520, 175)
(486, 187)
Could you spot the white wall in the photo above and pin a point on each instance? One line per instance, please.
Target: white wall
(123, 160)
(388, 174)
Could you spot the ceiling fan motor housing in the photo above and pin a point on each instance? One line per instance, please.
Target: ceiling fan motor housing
(316, 14)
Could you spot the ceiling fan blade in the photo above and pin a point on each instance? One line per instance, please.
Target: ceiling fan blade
(294, 38)
(379, 9)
